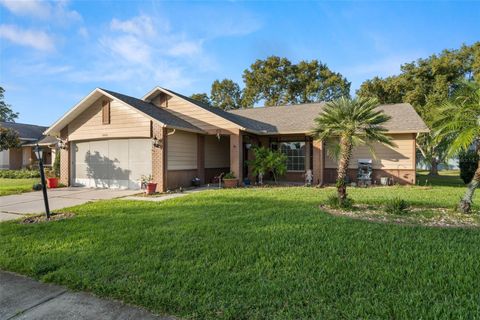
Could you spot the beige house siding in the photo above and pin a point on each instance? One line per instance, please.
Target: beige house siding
(124, 123)
(15, 158)
(196, 115)
(182, 151)
(400, 157)
(217, 153)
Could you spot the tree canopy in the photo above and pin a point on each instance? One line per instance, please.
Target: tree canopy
(6, 112)
(202, 97)
(226, 94)
(426, 81)
(277, 81)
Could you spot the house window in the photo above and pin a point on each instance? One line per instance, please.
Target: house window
(106, 112)
(295, 152)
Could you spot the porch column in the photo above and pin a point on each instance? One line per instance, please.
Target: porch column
(65, 162)
(318, 165)
(27, 159)
(236, 154)
(201, 158)
(159, 157)
(308, 152)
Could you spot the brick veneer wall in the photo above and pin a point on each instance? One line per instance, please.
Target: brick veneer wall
(159, 157)
(401, 176)
(65, 159)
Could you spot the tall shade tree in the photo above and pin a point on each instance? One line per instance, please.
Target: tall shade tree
(278, 81)
(9, 139)
(202, 97)
(268, 80)
(226, 94)
(460, 123)
(426, 84)
(313, 81)
(353, 122)
(6, 112)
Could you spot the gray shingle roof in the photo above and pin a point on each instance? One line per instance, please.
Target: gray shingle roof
(300, 118)
(161, 114)
(25, 131)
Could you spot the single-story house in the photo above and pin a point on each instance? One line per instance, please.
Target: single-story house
(112, 139)
(23, 156)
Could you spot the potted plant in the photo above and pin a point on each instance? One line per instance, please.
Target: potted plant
(148, 184)
(52, 179)
(229, 180)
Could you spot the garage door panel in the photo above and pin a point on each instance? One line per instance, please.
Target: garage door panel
(112, 163)
(142, 148)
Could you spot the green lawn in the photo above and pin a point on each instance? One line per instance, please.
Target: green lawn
(13, 186)
(256, 254)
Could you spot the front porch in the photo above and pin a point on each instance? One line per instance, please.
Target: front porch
(303, 153)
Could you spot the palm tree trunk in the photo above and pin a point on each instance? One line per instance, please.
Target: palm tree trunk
(345, 154)
(466, 203)
(433, 167)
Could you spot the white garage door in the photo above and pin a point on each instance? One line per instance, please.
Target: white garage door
(111, 163)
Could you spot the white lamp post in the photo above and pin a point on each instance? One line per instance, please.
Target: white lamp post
(39, 154)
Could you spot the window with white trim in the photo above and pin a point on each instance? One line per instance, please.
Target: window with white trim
(295, 152)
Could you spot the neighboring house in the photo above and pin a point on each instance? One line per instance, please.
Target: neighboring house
(23, 157)
(111, 140)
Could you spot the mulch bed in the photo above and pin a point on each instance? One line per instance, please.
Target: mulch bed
(442, 217)
(43, 218)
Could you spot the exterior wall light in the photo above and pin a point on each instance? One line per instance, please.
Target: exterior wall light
(62, 144)
(157, 143)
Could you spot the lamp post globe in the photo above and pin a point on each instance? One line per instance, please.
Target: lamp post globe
(38, 152)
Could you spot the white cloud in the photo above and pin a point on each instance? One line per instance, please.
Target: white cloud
(27, 37)
(140, 26)
(128, 48)
(185, 48)
(56, 12)
(33, 8)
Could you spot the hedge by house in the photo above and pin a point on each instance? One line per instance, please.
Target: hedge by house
(19, 174)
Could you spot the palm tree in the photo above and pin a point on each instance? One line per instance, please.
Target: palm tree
(459, 122)
(354, 122)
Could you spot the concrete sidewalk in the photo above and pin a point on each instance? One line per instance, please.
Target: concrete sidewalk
(15, 206)
(27, 299)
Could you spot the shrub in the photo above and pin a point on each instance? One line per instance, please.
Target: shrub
(267, 160)
(468, 163)
(396, 206)
(37, 186)
(229, 175)
(56, 164)
(334, 202)
(19, 174)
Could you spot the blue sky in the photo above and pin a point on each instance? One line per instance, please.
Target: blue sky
(52, 54)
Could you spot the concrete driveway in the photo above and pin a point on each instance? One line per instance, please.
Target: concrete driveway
(15, 206)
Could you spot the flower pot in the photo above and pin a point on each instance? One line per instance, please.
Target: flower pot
(151, 188)
(230, 183)
(52, 183)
